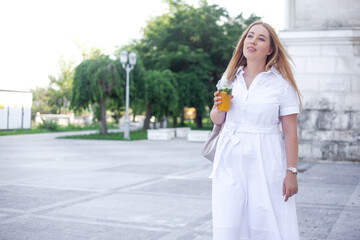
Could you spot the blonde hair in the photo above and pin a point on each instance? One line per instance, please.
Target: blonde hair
(278, 58)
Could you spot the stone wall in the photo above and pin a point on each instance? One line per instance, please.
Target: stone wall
(322, 14)
(327, 71)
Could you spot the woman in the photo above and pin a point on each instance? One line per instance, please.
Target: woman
(254, 173)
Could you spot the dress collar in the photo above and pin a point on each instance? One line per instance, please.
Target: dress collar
(273, 70)
(240, 70)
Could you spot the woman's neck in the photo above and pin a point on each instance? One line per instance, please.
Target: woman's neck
(253, 69)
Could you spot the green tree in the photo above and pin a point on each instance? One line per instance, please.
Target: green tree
(60, 88)
(88, 52)
(40, 101)
(56, 97)
(196, 45)
(160, 95)
(96, 81)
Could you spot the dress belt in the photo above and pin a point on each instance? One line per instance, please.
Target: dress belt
(232, 129)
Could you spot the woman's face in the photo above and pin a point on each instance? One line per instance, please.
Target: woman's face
(257, 44)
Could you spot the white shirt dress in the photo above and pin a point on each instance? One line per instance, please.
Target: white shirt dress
(250, 163)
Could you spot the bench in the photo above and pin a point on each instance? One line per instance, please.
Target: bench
(182, 132)
(161, 134)
(198, 135)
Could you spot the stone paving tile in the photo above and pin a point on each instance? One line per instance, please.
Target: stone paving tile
(199, 228)
(196, 236)
(354, 200)
(147, 209)
(305, 166)
(201, 174)
(322, 179)
(35, 228)
(339, 168)
(26, 198)
(4, 216)
(8, 213)
(315, 223)
(324, 194)
(11, 161)
(149, 168)
(11, 174)
(92, 180)
(205, 227)
(79, 164)
(347, 225)
(179, 186)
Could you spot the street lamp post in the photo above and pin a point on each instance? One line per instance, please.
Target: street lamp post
(128, 67)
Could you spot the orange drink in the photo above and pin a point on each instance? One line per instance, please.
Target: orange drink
(225, 95)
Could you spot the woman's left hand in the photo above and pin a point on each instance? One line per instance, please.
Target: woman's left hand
(290, 185)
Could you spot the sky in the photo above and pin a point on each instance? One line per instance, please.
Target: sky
(35, 34)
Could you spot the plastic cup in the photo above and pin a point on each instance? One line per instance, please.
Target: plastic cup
(225, 92)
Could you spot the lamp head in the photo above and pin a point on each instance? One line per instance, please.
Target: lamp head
(132, 58)
(123, 57)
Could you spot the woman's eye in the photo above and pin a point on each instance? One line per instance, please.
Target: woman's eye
(262, 39)
(249, 36)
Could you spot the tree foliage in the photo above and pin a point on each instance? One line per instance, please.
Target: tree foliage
(160, 95)
(61, 87)
(96, 81)
(195, 44)
(56, 97)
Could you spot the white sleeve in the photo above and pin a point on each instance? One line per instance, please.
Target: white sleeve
(289, 103)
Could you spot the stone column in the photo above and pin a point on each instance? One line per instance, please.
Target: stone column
(289, 14)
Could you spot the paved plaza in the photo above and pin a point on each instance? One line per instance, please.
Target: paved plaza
(62, 189)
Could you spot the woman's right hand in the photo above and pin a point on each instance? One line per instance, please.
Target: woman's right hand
(217, 101)
(217, 116)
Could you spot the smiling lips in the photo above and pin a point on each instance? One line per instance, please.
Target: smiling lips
(251, 49)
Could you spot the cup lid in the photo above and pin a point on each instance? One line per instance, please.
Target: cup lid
(224, 84)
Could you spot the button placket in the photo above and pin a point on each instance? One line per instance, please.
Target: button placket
(242, 116)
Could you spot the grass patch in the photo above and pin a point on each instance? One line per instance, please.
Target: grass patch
(206, 123)
(205, 126)
(22, 131)
(40, 129)
(135, 135)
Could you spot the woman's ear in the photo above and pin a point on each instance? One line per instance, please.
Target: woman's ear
(270, 52)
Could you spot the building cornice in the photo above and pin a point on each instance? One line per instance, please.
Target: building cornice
(322, 37)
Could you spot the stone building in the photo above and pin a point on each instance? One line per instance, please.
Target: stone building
(323, 39)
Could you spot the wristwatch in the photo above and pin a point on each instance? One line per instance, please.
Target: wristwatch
(292, 169)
